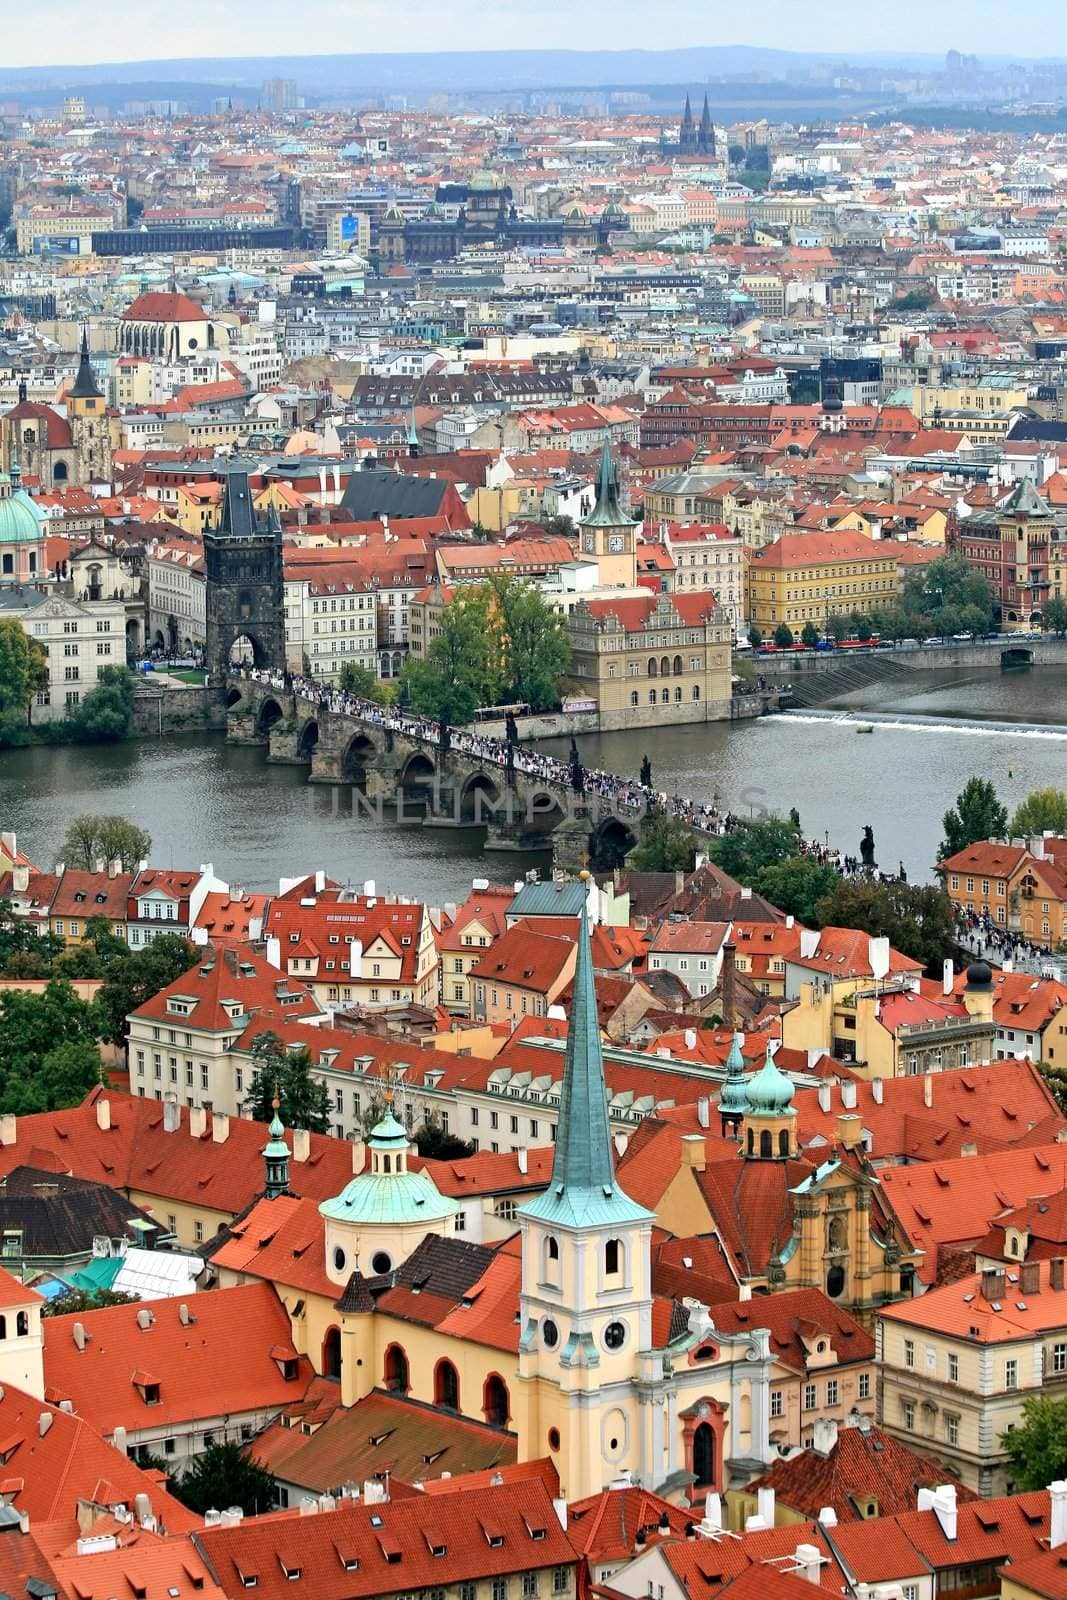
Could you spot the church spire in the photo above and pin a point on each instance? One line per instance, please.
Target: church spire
(276, 1157)
(706, 136)
(583, 1191)
(733, 1096)
(85, 384)
(607, 512)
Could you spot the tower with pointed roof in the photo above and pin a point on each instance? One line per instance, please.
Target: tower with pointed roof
(687, 132)
(245, 588)
(585, 1307)
(733, 1096)
(87, 416)
(607, 534)
(705, 140)
(276, 1158)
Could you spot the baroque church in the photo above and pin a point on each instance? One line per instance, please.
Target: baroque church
(556, 1338)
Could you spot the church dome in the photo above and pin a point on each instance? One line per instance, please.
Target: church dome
(485, 180)
(388, 1194)
(770, 1093)
(20, 520)
(733, 1096)
(979, 975)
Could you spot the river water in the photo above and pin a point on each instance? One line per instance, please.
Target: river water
(202, 800)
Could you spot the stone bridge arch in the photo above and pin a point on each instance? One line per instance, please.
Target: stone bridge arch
(415, 779)
(359, 753)
(234, 697)
(610, 842)
(270, 712)
(307, 739)
(482, 796)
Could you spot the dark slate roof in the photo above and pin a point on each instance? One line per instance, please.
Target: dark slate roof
(1038, 428)
(369, 494)
(60, 1215)
(446, 1267)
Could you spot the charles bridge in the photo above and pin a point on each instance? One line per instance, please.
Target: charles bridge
(390, 766)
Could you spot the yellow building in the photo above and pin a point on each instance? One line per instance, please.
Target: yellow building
(959, 1361)
(810, 577)
(199, 506)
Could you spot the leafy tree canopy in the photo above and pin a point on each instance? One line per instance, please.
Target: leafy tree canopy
(977, 814)
(91, 839)
(1037, 1447)
(751, 847)
(22, 665)
(667, 845)
(223, 1476)
(360, 680)
(304, 1101)
(128, 984)
(796, 885)
(917, 919)
(1043, 809)
(77, 1300)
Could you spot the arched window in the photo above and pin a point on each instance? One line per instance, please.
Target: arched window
(835, 1281)
(550, 1261)
(678, 691)
(837, 1238)
(22, 1324)
(59, 472)
(652, 697)
(704, 1456)
(3, 1327)
(665, 667)
(751, 1142)
(635, 698)
(496, 1402)
(9, 564)
(783, 1141)
(677, 665)
(396, 1369)
(696, 691)
(331, 1353)
(652, 668)
(446, 1386)
(766, 1147)
(612, 1258)
(387, 1163)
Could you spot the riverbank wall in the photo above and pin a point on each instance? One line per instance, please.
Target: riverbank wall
(189, 709)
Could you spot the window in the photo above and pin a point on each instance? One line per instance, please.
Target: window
(909, 1352)
(560, 1580)
(529, 1585)
(777, 1406)
(952, 1429)
(954, 1369)
(907, 1412)
(811, 1398)
(500, 1589)
(1011, 1374)
(1059, 1358)
(831, 1392)
(864, 1389)
(198, 1231)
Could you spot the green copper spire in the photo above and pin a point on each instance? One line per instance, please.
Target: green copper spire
(733, 1096)
(276, 1157)
(583, 1191)
(607, 513)
(770, 1094)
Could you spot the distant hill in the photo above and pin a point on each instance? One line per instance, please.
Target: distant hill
(486, 70)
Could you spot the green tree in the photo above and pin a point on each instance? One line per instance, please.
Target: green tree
(837, 627)
(1042, 810)
(749, 849)
(144, 973)
(67, 1073)
(359, 680)
(304, 1101)
(667, 845)
(534, 649)
(917, 919)
(458, 673)
(809, 635)
(755, 638)
(947, 593)
(563, 527)
(796, 885)
(783, 636)
(915, 300)
(1037, 1447)
(437, 1145)
(977, 814)
(106, 713)
(91, 839)
(22, 667)
(864, 629)
(1054, 616)
(75, 1301)
(35, 1028)
(222, 1475)
(17, 937)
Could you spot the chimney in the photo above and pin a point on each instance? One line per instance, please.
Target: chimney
(522, 1157)
(877, 1091)
(301, 1144)
(1030, 1277)
(359, 1156)
(765, 1506)
(560, 1508)
(20, 877)
(99, 866)
(826, 1090)
(114, 867)
(947, 977)
(728, 984)
(679, 881)
(711, 1524)
(809, 943)
(197, 1122)
(118, 1438)
(704, 1111)
(693, 1152)
(274, 953)
(8, 1128)
(1055, 1273)
(809, 1562)
(690, 1038)
(824, 1436)
(1057, 1493)
(849, 1131)
(827, 1517)
(172, 1116)
(944, 1509)
(78, 1334)
(220, 1127)
(928, 1090)
(993, 1283)
(103, 1115)
(44, 1422)
(848, 1094)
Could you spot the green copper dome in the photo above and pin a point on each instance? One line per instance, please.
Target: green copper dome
(770, 1093)
(20, 520)
(387, 1194)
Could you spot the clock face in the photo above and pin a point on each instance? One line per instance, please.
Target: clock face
(590, 543)
(615, 544)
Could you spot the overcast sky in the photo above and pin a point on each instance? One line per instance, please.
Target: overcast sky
(76, 31)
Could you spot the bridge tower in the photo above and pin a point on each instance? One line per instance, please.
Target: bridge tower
(245, 591)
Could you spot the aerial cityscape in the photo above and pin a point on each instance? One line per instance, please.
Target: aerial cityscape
(533, 803)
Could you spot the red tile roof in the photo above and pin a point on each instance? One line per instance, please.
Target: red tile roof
(864, 1465)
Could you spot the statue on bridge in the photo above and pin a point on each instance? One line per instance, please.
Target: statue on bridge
(444, 736)
(867, 848)
(511, 729)
(509, 763)
(646, 773)
(577, 770)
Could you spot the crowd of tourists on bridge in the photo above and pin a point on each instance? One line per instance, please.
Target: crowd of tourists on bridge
(987, 938)
(627, 794)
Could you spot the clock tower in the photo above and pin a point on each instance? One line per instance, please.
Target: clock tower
(608, 535)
